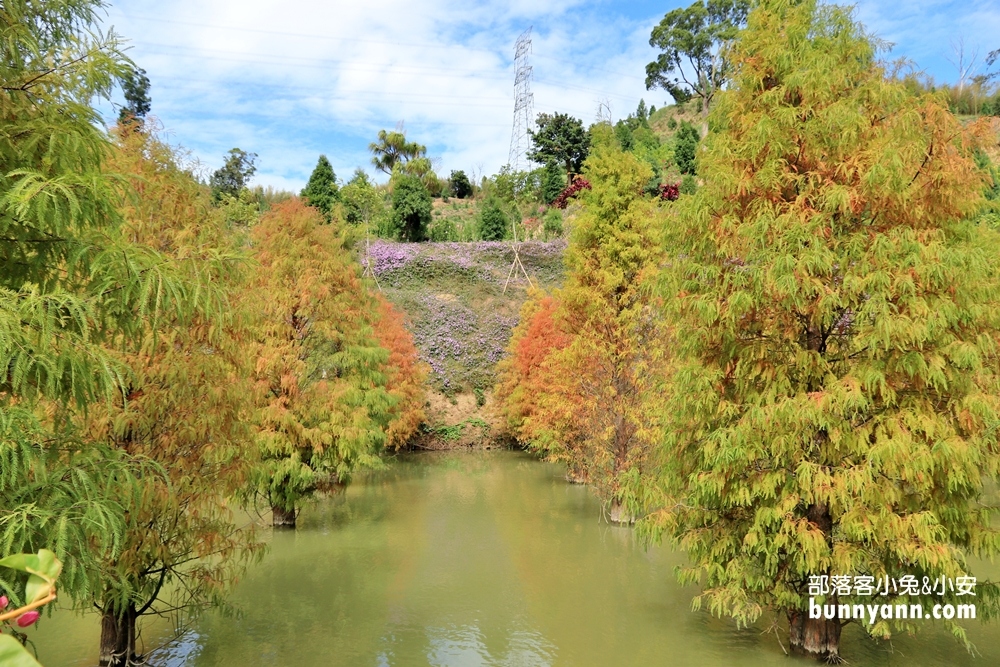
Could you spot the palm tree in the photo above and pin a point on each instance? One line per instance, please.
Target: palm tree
(392, 147)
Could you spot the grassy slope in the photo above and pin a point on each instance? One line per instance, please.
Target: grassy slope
(461, 319)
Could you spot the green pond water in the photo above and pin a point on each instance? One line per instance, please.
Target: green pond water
(467, 559)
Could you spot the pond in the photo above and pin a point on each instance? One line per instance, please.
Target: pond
(468, 559)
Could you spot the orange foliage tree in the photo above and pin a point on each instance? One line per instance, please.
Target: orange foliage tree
(405, 374)
(333, 398)
(185, 405)
(587, 367)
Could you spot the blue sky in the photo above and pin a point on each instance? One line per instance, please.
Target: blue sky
(293, 79)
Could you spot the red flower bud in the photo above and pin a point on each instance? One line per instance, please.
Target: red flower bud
(3, 602)
(27, 618)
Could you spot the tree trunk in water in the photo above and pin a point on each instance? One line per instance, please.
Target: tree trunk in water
(576, 476)
(815, 637)
(282, 518)
(619, 514)
(118, 639)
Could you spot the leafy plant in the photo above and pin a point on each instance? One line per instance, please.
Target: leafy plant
(576, 186)
(493, 222)
(321, 190)
(835, 407)
(411, 208)
(42, 570)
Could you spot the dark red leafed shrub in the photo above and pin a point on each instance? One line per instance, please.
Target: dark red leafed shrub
(670, 191)
(573, 189)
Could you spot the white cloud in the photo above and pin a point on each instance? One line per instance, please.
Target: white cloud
(289, 83)
(294, 80)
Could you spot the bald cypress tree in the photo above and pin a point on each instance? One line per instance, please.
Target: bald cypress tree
(835, 407)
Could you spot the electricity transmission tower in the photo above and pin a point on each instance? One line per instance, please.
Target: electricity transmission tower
(524, 103)
(524, 115)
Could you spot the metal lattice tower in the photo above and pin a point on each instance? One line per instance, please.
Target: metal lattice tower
(524, 103)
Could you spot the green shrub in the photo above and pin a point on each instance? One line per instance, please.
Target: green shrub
(411, 208)
(493, 221)
(689, 184)
(686, 147)
(443, 229)
(552, 226)
(459, 184)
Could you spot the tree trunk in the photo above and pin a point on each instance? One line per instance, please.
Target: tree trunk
(619, 514)
(576, 475)
(118, 639)
(815, 637)
(282, 518)
(811, 632)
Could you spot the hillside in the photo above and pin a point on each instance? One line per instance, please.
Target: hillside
(461, 319)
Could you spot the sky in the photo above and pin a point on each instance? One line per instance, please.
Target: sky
(294, 79)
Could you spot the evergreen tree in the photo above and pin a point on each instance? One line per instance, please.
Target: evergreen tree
(321, 190)
(835, 406)
(686, 148)
(553, 182)
(560, 138)
(234, 175)
(460, 186)
(135, 88)
(411, 208)
(493, 222)
(692, 43)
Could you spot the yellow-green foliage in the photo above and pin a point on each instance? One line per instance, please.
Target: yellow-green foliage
(321, 368)
(835, 408)
(600, 355)
(186, 403)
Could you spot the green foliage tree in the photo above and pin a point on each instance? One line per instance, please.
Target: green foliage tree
(686, 148)
(135, 87)
(553, 182)
(392, 148)
(560, 138)
(693, 39)
(835, 406)
(411, 208)
(321, 190)
(234, 174)
(493, 222)
(460, 185)
(76, 289)
(362, 201)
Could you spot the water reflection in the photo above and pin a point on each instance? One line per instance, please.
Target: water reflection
(472, 559)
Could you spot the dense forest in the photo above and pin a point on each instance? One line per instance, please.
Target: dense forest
(761, 324)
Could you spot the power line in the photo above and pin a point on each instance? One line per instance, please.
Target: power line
(216, 26)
